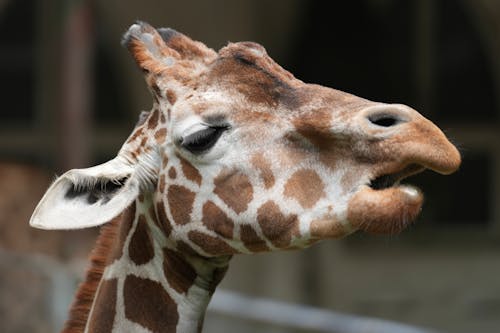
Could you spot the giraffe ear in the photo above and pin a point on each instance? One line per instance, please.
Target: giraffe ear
(83, 198)
(157, 51)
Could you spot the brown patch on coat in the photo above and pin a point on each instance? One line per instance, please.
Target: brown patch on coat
(140, 249)
(277, 227)
(152, 83)
(163, 119)
(216, 220)
(153, 119)
(179, 273)
(185, 248)
(104, 311)
(162, 183)
(109, 246)
(190, 172)
(211, 245)
(164, 161)
(138, 132)
(149, 305)
(161, 135)
(172, 173)
(127, 218)
(180, 202)
(264, 167)
(134, 155)
(234, 189)
(251, 240)
(163, 221)
(305, 186)
(171, 96)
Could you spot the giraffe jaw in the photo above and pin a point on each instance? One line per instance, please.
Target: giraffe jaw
(384, 206)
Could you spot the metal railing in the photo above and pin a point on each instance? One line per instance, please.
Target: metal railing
(62, 281)
(307, 318)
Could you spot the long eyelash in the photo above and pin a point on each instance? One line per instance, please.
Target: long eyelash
(203, 140)
(198, 136)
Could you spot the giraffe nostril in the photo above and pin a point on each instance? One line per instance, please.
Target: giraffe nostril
(385, 119)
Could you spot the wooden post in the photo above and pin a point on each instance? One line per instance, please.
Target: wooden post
(76, 94)
(74, 130)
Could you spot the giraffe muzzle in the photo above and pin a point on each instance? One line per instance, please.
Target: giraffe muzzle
(409, 144)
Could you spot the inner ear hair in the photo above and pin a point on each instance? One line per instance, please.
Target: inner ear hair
(95, 189)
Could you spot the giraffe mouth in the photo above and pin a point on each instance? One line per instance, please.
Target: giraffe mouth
(394, 179)
(385, 206)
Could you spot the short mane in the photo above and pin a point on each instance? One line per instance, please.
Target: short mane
(100, 257)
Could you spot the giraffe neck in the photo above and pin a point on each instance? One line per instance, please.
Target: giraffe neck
(146, 282)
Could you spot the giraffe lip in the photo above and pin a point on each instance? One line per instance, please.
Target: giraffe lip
(392, 179)
(385, 211)
(384, 206)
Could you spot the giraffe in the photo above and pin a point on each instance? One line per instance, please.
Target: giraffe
(236, 156)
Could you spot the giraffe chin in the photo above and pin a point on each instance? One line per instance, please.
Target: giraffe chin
(385, 211)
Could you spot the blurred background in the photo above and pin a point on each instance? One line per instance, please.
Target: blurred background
(71, 95)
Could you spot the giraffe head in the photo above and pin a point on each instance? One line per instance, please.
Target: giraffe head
(239, 156)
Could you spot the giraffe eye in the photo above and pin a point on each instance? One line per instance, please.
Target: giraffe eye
(202, 140)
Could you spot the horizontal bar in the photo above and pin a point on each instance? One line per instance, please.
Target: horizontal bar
(301, 316)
